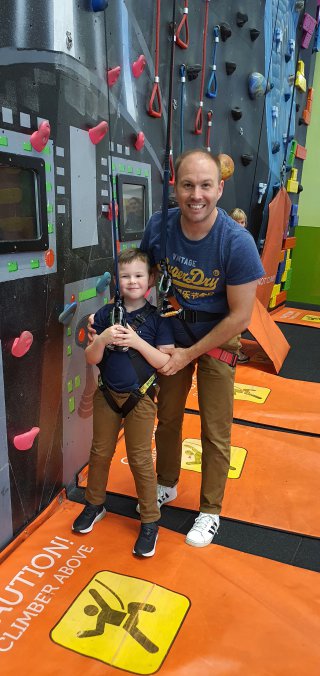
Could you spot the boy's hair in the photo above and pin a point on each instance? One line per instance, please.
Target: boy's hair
(196, 151)
(239, 215)
(133, 254)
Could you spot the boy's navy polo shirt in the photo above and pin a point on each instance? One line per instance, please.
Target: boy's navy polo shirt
(116, 367)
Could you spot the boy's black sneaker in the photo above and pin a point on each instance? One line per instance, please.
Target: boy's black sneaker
(89, 516)
(146, 542)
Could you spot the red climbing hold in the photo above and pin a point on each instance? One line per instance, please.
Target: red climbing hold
(139, 141)
(109, 212)
(112, 75)
(22, 344)
(97, 133)
(22, 442)
(139, 65)
(40, 138)
(49, 258)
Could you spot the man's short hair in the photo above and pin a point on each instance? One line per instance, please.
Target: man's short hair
(196, 151)
(134, 254)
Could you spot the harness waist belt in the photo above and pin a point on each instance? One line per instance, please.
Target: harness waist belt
(133, 398)
(229, 358)
(193, 316)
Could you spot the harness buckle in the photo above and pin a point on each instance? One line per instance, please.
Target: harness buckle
(189, 316)
(164, 283)
(229, 358)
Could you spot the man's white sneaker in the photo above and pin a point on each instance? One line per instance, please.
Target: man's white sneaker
(203, 530)
(164, 494)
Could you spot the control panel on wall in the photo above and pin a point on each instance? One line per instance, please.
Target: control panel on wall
(27, 208)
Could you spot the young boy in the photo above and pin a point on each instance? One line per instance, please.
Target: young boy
(239, 216)
(126, 390)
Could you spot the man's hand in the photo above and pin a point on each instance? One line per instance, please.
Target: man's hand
(179, 359)
(91, 330)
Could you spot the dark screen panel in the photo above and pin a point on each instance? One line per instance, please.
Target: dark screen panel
(23, 208)
(133, 202)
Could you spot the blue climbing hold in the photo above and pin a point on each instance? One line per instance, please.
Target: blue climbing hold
(67, 314)
(103, 282)
(257, 85)
(99, 5)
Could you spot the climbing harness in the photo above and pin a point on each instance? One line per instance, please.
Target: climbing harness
(183, 44)
(212, 87)
(199, 115)
(141, 367)
(156, 90)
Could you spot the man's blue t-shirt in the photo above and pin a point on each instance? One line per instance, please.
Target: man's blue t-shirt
(201, 269)
(116, 368)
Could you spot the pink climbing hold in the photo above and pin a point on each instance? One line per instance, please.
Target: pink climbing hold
(22, 344)
(139, 141)
(22, 442)
(40, 138)
(139, 65)
(112, 75)
(97, 133)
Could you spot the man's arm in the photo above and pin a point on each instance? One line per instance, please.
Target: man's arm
(240, 300)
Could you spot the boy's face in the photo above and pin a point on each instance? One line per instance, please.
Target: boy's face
(134, 279)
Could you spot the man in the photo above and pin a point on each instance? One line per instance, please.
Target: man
(214, 267)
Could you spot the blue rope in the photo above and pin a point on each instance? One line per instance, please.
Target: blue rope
(212, 88)
(182, 71)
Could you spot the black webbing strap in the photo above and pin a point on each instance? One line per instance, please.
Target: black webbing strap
(133, 398)
(225, 356)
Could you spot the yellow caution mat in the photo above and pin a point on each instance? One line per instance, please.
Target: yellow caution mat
(73, 604)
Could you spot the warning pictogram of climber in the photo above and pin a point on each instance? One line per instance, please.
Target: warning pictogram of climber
(123, 621)
(251, 393)
(192, 456)
(311, 318)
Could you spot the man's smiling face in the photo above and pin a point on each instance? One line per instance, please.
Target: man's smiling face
(198, 189)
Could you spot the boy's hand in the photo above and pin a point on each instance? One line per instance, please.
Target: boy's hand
(126, 337)
(110, 335)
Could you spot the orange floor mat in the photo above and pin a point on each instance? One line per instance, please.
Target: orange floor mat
(273, 477)
(83, 604)
(290, 315)
(268, 399)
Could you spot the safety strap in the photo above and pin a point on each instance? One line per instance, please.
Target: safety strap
(209, 126)
(182, 72)
(139, 364)
(199, 116)
(225, 356)
(156, 89)
(134, 397)
(212, 87)
(168, 171)
(184, 44)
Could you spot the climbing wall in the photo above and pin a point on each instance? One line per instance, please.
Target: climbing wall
(84, 111)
